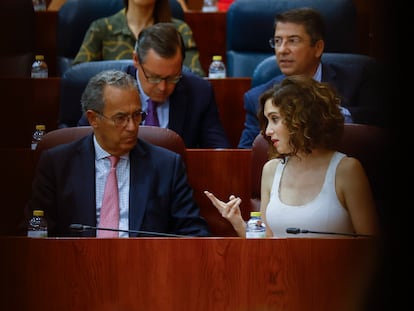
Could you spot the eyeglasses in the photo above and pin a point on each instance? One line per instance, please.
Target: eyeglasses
(289, 42)
(156, 80)
(121, 120)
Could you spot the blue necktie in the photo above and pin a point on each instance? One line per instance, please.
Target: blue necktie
(152, 117)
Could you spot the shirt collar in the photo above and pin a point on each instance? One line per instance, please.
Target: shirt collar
(100, 153)
(318, 74)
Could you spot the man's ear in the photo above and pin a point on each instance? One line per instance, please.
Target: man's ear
(135, 59)
(320, 46)
(92, 117)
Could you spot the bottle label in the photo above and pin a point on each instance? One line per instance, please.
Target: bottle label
(39, 5)
(39, 75)
(37, 233)
(210, 6)
(217, 75)
(255, 235)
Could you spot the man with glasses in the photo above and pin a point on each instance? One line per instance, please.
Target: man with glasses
(153, 192)
(298, 43)
(181, 101)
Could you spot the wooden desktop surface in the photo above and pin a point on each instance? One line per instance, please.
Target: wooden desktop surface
(166, 274)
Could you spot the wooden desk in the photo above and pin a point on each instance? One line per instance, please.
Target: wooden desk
(200, 274)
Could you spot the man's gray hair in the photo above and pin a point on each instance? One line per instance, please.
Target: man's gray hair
(93, 98)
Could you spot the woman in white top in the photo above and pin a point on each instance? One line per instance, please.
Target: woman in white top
(307, 183)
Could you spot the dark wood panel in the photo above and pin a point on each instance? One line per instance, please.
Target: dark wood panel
(46, 38)
(27, 102)
(18, 167)
(229, 94)
(37, 101)
(376, 24)
(209, 31)
(196, 5)
(223, 172)
(226, 274)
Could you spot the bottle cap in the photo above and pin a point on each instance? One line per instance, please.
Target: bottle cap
(217, 57)
(40, 127)
(255, 214)
(38, 212)
(39, 57)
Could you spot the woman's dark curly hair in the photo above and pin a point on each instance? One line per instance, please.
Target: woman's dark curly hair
(309, 109)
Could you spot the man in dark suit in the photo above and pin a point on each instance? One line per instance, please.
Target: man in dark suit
(185, 103)
(299, 43)
(154, 194)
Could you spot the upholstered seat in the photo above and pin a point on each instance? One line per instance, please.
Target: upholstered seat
(249, 28)
(155, 135)
(268, 68)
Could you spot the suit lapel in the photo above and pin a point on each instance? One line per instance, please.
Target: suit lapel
(85, 182)
(178, 108)
(328, 74)
(141, 175)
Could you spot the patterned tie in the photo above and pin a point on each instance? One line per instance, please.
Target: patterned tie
(110, 203)
(152, 117)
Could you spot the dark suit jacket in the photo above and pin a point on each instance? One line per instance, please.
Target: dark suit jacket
(160, 197)
(360, 88)
(193, 113)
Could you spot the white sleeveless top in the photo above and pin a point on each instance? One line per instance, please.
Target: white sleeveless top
(324, 213)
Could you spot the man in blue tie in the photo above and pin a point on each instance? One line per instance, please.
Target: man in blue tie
(185, 103)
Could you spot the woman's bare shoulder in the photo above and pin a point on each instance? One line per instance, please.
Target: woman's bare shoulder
(270, 166)
(348, 163)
